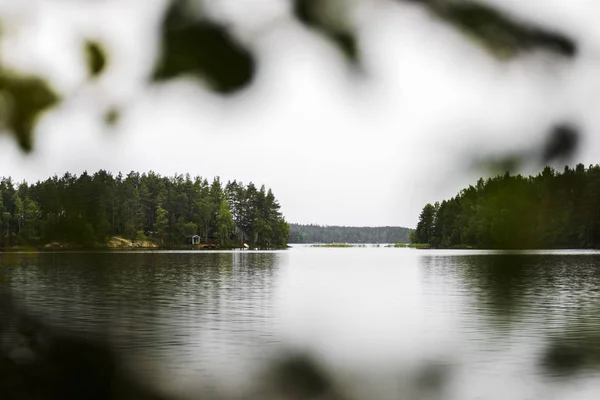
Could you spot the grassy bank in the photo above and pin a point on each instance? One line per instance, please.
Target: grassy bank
(397, 245)
(411, 245)
(338, 245)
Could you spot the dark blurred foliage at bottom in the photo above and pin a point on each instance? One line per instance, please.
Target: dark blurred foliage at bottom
(38, 362)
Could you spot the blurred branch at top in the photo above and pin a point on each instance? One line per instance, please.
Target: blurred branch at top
(193, 44)
(504, 36)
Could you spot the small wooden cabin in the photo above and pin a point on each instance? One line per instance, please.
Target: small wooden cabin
(194, 239)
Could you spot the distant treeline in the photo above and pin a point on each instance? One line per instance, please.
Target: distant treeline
(89, 209)
(550, 210)
(347, 234)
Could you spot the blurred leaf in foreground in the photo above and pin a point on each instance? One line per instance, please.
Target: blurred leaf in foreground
(96, 58)
(563, 141)
(203, 49)
(22, 100)
(502, 35)
(324, 16)
(112, 116)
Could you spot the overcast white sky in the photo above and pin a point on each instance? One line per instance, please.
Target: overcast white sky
(335, 149)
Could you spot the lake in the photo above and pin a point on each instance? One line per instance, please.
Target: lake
(477, 324)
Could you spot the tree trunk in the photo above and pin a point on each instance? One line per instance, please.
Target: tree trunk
(113, 217)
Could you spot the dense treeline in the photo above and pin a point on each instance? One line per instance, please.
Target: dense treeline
(550, 210)
(346, 234)
(89, 209)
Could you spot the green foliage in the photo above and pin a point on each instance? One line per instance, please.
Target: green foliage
(204, 49)
(412, 245)
(96, 58)
(30, 226)
(90, 209)
(550, 210)
(112, 117)
(141, 236)
(503, 36)
(425, 228)
(162, 223)
(196, 46)
(225, 224)
(323, 16)
(347, 234)
(22, 100)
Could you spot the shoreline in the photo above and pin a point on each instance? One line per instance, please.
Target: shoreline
(121, 244)
(21, 249)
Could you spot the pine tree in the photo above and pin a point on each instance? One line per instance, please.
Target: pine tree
(425, 227)
(225, 222)
(162, 223)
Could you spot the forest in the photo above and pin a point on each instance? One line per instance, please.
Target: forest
(88, 210)
(547, 211)
(346, 234)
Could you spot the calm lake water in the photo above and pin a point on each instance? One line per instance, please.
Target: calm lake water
(495, 325)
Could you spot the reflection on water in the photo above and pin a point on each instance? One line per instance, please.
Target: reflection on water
(465, 323)
(183, 311)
